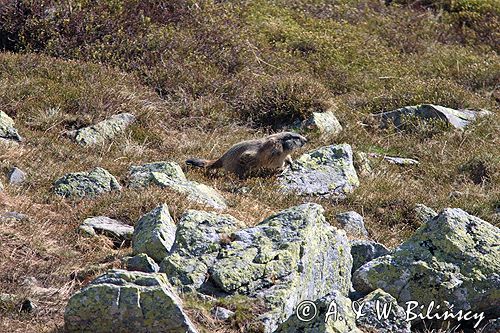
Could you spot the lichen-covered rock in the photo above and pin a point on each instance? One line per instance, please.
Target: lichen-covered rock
(86, 184)
(424, 213)
(170, 175)
(123, 301)
(453, 258)
(327, 171)
(363, 251)
(197, 244)
(17, 176)
(323, 122)
(154, 233)
(142, 263)
(7, 129)
(456, 118)
(116, 230)
(337, 307)
(102, 131)
(386, 316)
(289, 257)
(395, 160)
(352, 223)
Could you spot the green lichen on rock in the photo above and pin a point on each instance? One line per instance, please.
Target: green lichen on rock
(363, 251)
(122, 301)
(453, 258)
(197, 244)
(86, 184)
(102, 131)
(7, 129)
(372, 319)
(327, 171)
(291, 256)
(154, 233)
(334, 316)
(170, 175)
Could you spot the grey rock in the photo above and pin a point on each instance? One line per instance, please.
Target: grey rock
(424, 213)
(154, 233)
(363, 251)
(327, 171)
(14, 216)
(395, 160)
(86, 184)
(7, 130)
(457, 118)
(170, 175)
(323, 122)
(142, 263)
(221, 313)
(453, 258)
(116, 230)
(123, 301)
(102, 131)
(9, 302)
(372, 321)
(17, 176)
(352, 223)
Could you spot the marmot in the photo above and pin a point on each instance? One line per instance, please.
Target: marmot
(270, 153)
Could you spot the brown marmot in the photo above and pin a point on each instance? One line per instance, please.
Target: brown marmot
(269, 153)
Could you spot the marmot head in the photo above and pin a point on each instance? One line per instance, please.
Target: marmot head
(291, 141)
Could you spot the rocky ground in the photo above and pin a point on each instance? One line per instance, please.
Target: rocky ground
(394, 200)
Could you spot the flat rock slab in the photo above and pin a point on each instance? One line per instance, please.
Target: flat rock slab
(327, 171)
(86, 184)
(170, 175)
(395, 160)
(123, 301)
(456, 118)
(114, 229)
(7, 129)
(141, 262)
(17, 176)
(102, 131)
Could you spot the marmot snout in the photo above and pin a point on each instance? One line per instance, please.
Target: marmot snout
(271, 153)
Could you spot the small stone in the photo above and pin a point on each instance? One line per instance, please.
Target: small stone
(323, 122)
(352, 223)
(8, 302)
(395, 160)
(142, 263)
(362, 163)
(17, 176)
(118, 231)
(221, 313)
(13, 216)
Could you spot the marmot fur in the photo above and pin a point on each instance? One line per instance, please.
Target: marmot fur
(270, 153)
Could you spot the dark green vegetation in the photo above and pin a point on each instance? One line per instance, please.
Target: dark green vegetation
(201, 76)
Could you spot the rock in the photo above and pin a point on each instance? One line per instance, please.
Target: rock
(13, 216)
(86, 184)
(395, 160)
(424, 213)
(452, 258)
(352, 223)
(221, 313)
(374, 320)
(327, 171)
(116, 230)
(289, 257)
(102, 131)
(456, 118)
(363, 251)
(340, 320)
(154, 233)
(197, 244)
(362, 163)
(17, 176)
(122, 301)
(7, 130)
(28, 306)
(170, 175)
(323, 122)
(142, 263)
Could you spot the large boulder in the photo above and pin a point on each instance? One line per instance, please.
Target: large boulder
(154, 233)
(425, 112)
(199, 239)
(327, 171)
(118, 231)
(363, 251)
(86, 184)
(169, 175)
(7, 129)
(453, 258)
(329, 314)
(102, 131)
(122, 301)
(292, 256)
(142, 263)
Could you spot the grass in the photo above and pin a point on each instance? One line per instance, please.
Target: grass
(203, 76)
